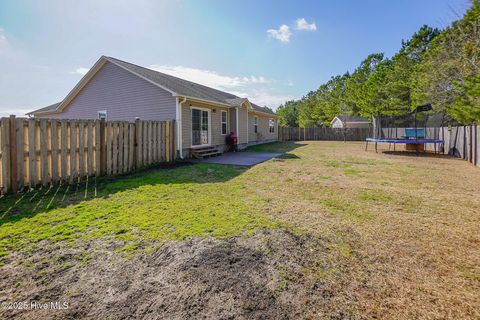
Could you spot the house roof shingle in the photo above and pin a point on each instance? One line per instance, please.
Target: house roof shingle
(177, 86)
(51, 107)
(345, 118)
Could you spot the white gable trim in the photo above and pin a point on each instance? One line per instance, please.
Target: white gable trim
(335, 119)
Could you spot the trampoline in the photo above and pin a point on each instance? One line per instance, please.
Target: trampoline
(406, 142)
(413, 127)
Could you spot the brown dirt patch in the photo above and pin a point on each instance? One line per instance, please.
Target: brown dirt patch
(270, 275)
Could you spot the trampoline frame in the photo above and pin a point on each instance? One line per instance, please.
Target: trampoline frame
(403, 141)
(416, 139)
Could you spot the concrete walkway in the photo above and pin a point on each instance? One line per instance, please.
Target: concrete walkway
(241, 158)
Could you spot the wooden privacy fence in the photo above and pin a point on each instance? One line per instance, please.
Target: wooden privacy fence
(47, 151)
(461, 142)
(322, 133)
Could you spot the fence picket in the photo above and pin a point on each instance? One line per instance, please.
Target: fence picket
(131, 146)
(97, 149)
(54, 150)
(145, 143)
(115, 148)
(90, 167)
(138, 143)
(5, 132)
(125, 147)
(81, 150)
(108, 134)
(73, 153)
(43, 152)
(20, 153)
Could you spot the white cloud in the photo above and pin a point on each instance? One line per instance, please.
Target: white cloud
(81, 71)
(19, 112)
(255, 88)
(282, 34)
(302, 24)
(209, 78)
(4, 45)
(265, 97)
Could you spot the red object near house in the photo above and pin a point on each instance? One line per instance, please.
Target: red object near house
(232, 141)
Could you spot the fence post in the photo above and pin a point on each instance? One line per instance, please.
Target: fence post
(5, 126)
(13, 154)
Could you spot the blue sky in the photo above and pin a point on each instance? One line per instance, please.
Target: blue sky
(270, 51)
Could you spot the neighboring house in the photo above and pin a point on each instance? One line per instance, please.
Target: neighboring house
(118, 90)
(350, 122)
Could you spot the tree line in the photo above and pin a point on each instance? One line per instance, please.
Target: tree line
(437, 67)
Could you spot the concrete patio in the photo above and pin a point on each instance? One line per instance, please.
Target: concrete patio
(241, 158)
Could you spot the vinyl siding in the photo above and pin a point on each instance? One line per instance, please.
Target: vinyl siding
(217, 138)
(242, 125)
(263, 133)
(123, 95)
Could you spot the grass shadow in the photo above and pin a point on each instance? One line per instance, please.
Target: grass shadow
(420, 154)
(275, 147)
(29, 203)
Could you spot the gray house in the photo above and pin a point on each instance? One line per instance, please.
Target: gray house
(118, 90)
(350, 122)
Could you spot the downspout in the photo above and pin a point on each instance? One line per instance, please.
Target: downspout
(236, 124)
(248, 123)
(179, 126)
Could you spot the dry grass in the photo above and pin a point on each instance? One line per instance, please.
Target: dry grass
(409, 226)
(327, 231)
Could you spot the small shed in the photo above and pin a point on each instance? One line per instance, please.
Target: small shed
(350, 122)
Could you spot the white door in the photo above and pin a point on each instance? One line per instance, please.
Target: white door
(200, 127)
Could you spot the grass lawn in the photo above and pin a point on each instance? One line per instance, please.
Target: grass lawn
(335, 232)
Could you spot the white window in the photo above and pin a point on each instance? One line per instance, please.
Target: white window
(255, 124)
(102, 115)
(271, 126)
(224, 122)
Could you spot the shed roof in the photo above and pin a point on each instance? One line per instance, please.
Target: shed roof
(346, 118)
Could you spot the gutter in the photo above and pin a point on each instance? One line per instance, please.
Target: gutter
(179, 125)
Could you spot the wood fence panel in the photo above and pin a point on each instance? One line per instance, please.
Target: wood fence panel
(108, 134)
(81, 150)
(63, 149)
(138, 144)
(73, 153)
(174, 141)
(19, 124)
(125, 147)
(46, 151)
(32, 172)
(144, 143)
(13, 154)
(149, 141)
(5, 147)
(97, 149)
(131, 147)
(154, 142)
(54, 149)
(162, 142)
(167, 141)
(90, 155)
(115, 148)
(43, 152)
(120, 148)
